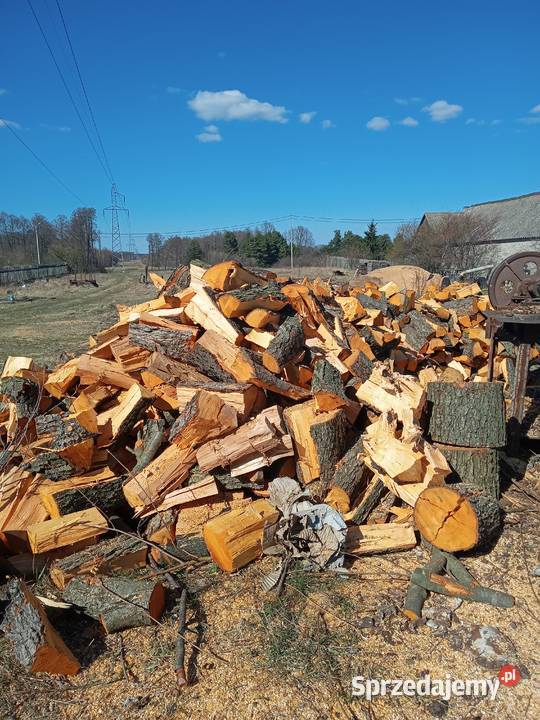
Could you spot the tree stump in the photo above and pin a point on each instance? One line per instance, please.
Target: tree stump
(457, 517)
(36, 644)
(474, 466)
(467, 414)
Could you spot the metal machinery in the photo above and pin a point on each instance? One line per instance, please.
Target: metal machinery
(514, 293)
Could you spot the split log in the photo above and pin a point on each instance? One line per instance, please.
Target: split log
(359, 365)
(171, 341)
(60, 380)
(373, 494)
(20, 506)
(205, 416)
(23, 393)
(286, 345)
(65, 497)
(230, 275)
(36, 644)
(149, 441)
(177, 281)
(170, 371)
(474, 466)
(118, 554)
(254, 445)
(348, 476)
(118, 603)
(329, 434)
(121, 418)
(237, 303)
(260, 318)
(299, 419)
(376, 539)
(418, 331)
(391, 391)
(202, 310)
(457, 517)
(74, 443)
(165, 473)
(467, 414)
(66, 530)
(236, 538)
(14, 363)
(104, 371)
(51, 466)
(243, 397)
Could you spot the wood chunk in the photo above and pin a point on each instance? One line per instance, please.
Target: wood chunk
(359, 365)
(259, 338)
(230, 275)
(372, 495)
(74, 443)
(305, 304)
(260, 318)
(474, 466)
(467, 414)
(172, 341)
(177, 281)
(61, 380)
(14, 364)
(389, 456)
(118, 554)
(203, 311)
(51, 466)
(121, 418)
(205, 416)
(66, 530)
(165, 473)
(234, 539)
(20, 506)
(391, 391)
(375, 539)
(104, 371)
(23, 393)
(243, 397)
(286, 345)
(66, 496)
(237, 303)
(170, 371)
(417, 331)
(36, 644)
(254, 445)
(129, 357)
(198, 492)
(352, 308)
(118, 603)
(457, 517)
(348, 477)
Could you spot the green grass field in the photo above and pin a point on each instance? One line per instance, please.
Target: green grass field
(60, 317)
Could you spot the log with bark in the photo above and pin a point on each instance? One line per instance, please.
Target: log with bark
(230, 275)
(286, 345)
(474, 466)
(243, 397)
(65, 497)
(418, 331)
(237, 303)
(36, 644)
(118, 603)
(118, 554)
(457, 517)
(348, 477)
(23, 393)
(467, 414)
(174, 342)
(66, 530)
(204, 417)
(177, 281)
(329, 434)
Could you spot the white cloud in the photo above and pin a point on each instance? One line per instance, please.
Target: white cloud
(234, 105)
(530, 120)
(409, 122)
(327, 124)
(470, 121)
(3, 91)
(12, 123)
(535, 109)
(306, 117)
(173, 90)
(441, 111)
(378, 123)
(406, 101)
(211, 134)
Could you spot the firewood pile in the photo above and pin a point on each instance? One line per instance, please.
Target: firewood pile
(159, 443)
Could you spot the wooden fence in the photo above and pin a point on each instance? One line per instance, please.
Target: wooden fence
(17, 275)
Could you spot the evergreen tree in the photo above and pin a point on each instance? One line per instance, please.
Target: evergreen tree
(195, 251)
(230, 243)
(336, 242)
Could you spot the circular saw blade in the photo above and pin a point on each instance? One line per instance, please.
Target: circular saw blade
(509, 280)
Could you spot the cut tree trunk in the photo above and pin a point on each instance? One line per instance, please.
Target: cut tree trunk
(286, 345)
(110, 556)
(118, 603)
(457, 517)
(174, 343)
(417, 331)
(467, 414)
(36, 644)
(236, 538)
(205, 416)
(230, 275)
(474, 466)
(63, 498)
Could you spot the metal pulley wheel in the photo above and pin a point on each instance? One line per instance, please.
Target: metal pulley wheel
(515, 279)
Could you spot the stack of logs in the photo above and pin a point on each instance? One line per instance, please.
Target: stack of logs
(176, 418)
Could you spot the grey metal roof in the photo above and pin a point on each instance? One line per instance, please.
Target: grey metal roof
(516, 218)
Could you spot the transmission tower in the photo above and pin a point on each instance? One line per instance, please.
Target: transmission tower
(118, 202)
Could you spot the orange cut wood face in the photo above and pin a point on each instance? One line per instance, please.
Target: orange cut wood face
(446, 519)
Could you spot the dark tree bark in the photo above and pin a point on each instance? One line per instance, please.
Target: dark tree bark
(51, 466)
(326, 378)
(329, 433)
(24, 393)
(239, 302)
(107, 496)
(287, 344)
(118, 603)
(150, 439)
(467, 414)
(173, 343)
(178, 280)
(203, 361)
(375, 491)
(474, 466)
(349, 473)
(417, 331)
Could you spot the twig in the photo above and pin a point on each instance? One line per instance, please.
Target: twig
(181, 679)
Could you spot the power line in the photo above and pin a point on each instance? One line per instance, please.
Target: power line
(92, 116)
(3, 123)
(70, 95)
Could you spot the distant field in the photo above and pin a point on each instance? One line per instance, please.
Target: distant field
(60, 316)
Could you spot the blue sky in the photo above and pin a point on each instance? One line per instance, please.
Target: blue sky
(190, 153)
